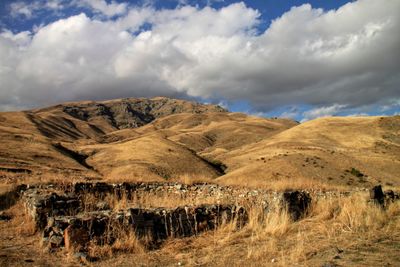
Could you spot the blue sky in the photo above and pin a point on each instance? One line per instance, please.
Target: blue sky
(297, 59)
(269, 9)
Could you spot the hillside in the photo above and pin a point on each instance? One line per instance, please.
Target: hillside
(349, 151)
(168, 139)
(44, 142)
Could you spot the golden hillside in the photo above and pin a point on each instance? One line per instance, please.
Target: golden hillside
(167, 139)
(354, 151)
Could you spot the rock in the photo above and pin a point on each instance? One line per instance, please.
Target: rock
(383, 198)
(4, 216)
(390, 197)
(389, 194)
(45, 242)
(50, 222)
(76, 239)
(56, 241)
(297, 203)
(81, 256)
(329, 264)
(338, 250)
(376, 194)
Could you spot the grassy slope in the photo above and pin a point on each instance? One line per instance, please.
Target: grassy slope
(24, 147)
(323, 149)
(256, 151)
(177, 145)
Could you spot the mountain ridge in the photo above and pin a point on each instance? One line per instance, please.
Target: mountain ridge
(167, 139)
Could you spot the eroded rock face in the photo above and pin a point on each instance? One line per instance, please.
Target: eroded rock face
(131, 112)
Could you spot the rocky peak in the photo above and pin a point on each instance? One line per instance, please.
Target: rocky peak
(134, 112)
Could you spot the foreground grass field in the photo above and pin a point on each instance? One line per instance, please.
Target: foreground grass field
(338, 231)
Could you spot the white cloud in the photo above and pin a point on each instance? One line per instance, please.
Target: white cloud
(326, 111)
(28, 9)
(101, 6)
(21, 39)
(392, 104)
(357, 115)
(348, 57)
(22, 9)
(291, 113)
(54, 4)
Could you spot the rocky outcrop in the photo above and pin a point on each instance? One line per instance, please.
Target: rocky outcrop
(134, 112)
(381, 198)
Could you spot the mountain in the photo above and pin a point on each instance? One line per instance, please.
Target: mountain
(349, 151)
(170, 139)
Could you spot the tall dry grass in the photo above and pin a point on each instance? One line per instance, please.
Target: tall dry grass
(344, 222)
(270, 237)
(126, 242)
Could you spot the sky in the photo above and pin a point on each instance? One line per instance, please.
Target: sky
(294, 59)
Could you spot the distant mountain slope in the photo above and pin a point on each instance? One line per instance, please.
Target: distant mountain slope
(336, 150)
(89, 119)
(179, 144)
(166, 139)
(31, 139)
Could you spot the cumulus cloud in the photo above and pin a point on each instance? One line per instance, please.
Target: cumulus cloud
(101, 6)
(349, 57)
(326, 111)
(28, 9)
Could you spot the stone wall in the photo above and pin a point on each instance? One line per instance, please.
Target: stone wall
(154, 225)
(61, 213)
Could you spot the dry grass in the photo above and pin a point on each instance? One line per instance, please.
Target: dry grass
(255, 150)
(342, 222)
(192, 178)
(280, 185)
(127, 242)
(334, 224)
(25, 226)
(335, 227)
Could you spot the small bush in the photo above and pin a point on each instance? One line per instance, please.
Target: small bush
(356, 172)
